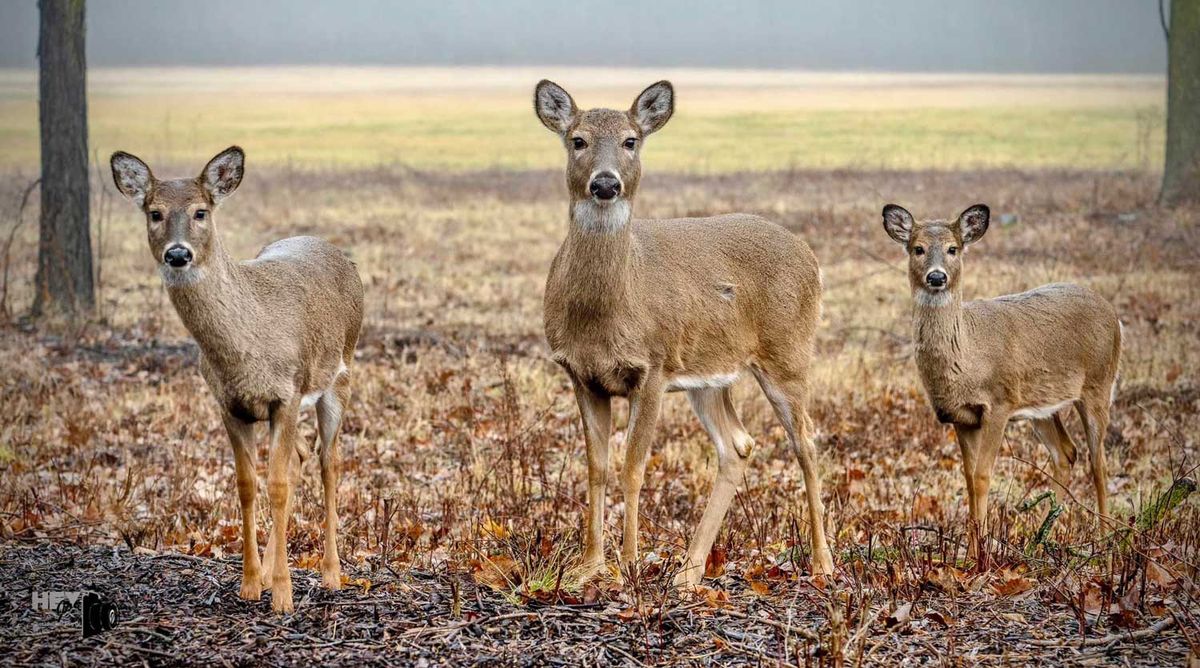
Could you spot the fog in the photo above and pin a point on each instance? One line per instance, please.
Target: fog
(1118, 36)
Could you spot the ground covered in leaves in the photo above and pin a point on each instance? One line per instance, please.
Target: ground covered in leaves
(464, 476)
(179, 609)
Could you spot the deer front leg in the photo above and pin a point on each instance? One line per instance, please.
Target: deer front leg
(968, 445)
(596, 412)
(987, 441)
(241, 435)
(644, 406)
(279, 490)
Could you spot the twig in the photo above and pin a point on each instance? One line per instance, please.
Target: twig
(803, 633)
(12, 234)
(1158, 627)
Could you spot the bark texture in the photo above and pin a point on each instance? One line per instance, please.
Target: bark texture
(64, 275)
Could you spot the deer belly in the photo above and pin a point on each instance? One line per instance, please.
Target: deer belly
(685, 382)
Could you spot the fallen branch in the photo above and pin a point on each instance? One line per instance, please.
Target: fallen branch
(1150, 631)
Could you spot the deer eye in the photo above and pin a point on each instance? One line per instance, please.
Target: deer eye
(953, 250)
(631, 143)
(579, 143)
(918, 250)
(156, 216)
(201, 214)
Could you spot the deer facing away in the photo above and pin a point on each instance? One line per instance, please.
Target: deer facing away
(635, 308)
(1030, 356)
(276, 334)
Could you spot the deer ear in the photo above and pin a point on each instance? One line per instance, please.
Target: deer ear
(131, 176)
(654, 107)
(973, 223)
(223, 174)
(898, 223)
(554, 106)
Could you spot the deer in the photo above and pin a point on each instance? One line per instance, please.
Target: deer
(276, 335)
(636, 308)
(1027, 356)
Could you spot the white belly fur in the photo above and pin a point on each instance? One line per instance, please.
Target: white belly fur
(1040, 412)
(310, 400)
(700, 382)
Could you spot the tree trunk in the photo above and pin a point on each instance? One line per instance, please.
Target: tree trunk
(64, 273)
(1181, 174)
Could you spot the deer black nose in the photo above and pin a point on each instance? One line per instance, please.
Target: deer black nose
(936, 279)
(178, 256)
(606, 185)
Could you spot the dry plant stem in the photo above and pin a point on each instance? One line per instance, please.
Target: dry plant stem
(1131, 636)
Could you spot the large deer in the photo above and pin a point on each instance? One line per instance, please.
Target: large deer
(635, 308)
(1029, 356)
(276, 335)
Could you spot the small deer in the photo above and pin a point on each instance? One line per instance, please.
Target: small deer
(276, 335)
(635, 308)
(1028, 356)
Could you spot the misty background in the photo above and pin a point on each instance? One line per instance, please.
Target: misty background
(1068, 36)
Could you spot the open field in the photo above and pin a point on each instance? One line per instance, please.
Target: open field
(464, 475)
(479, 118)
(464, 463)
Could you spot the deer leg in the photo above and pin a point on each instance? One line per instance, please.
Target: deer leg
(597, 425)
(714, 407)
(279, 490)
(1053, 434)
(241, 435)
(644, 406)
(789, 398)
(968, 445)
(991, 437)
(330, 409)
(1093, 410)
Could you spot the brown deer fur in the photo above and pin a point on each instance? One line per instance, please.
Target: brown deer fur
(1025, 356)
(634, 308)
(275, 333)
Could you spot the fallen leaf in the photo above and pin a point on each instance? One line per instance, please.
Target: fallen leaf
(712, 598)
(901, 616)
(1012, 584)
(938, 618)
(714, 566)
(498, 572)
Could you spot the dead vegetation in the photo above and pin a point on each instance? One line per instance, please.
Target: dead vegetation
(464, 480)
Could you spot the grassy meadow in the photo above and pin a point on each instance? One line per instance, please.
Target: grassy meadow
(730, 121)
(464, 465)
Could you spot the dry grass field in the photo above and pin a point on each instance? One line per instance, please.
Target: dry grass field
(464, 476)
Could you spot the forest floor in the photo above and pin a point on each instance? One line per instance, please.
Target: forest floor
(464, 478)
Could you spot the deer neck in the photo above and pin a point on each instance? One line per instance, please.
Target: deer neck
(601, 256)
(941, 342)
(216, 306)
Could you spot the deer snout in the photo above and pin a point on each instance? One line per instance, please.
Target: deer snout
(178, 256)
(936, 279)
(605, 186)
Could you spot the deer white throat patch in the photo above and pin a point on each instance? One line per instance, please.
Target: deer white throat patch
(592, 216)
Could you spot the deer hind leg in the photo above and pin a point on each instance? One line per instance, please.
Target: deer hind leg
(241, 435)
(714, 407)
(330, 408)
(1093, 411)
(279, 491)
(1053, 434)
(789, 397)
